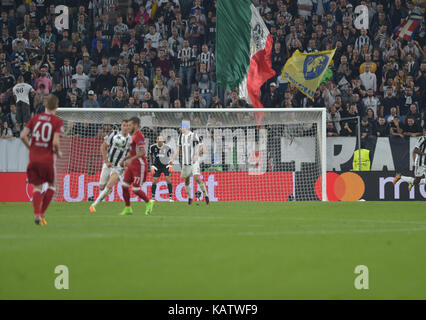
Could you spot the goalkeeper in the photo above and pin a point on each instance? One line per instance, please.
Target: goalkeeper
(159, 157)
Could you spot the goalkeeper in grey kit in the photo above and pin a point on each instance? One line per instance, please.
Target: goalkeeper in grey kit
(159, 157)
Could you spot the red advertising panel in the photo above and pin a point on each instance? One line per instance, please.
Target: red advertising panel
(222, 186)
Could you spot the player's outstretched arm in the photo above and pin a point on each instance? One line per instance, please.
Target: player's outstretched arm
(200, 153)
(127, 160)
(104, 148)
(24, 137)
(417, 151)
(175, 155)
(56, 145)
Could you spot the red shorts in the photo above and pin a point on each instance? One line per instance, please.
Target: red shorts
(136, 173)
(40, 172)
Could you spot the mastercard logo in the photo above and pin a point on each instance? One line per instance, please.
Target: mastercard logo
(347, 186)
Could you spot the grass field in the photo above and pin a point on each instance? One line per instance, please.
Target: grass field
(258, 250)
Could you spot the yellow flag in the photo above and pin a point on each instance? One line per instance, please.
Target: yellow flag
(154, 9)
(305, 70)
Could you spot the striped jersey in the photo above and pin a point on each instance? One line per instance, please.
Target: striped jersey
(190, 144)
(421, 145)
(116, 153)
(188, 56)
(66, 79)
(207, 58)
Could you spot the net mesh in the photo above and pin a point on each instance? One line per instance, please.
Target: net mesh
(249, 156)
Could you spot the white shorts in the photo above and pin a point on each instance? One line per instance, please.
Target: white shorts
(107, 172)
(419, 171)
(189, 171)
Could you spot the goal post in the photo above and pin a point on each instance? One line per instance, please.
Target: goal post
(250, 154)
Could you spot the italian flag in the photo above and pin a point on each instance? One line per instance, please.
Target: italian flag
(243, 49)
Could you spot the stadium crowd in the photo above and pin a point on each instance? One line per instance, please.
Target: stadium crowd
(160, 54)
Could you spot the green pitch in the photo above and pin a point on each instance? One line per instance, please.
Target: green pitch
(221, 251)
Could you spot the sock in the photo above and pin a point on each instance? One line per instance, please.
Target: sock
(37, 198)
(102, 196)
(422, 181)
(188, 191)
(126, 195)
(170, 187)
(47, 197)
(154, 189)
(407, 179)
(141, 194)
(203, 188)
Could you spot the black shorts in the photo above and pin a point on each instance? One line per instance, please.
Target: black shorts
(161, 169)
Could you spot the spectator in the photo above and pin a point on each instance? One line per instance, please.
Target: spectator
(204, 84)
(104, 80)
(393, 114)
(151, 103)
(18, 57)
(368, 79)
(76, 91)
(193, 32)
(133, 103)
(154, 36)
(197, 101)
(271, 99)
(331, 129)
(395, 128)
(82, 79)
(388, 102)
(383, 128)
(178, 92)
(61, 94)
(119, 101)
(105, 100)
(163, 63)
(5, 131)
(43, 79)
(216, 102)
(7, 81)
(175, 43)
(12, 120)
(186, 57)
(120, 87)
(91, 101)
(371, 102)
(406, 99)
(365, 128)
(334, 116)
(72, 101)
(86, 62)
(412, 129)
(414, 114)
(139, 89)
(161, 94)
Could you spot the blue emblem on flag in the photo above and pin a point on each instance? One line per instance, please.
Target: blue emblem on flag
(314, 65)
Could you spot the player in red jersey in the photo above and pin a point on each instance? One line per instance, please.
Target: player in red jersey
(136, 168)
(45, 129)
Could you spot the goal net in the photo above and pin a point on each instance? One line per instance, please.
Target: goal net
(250, 154)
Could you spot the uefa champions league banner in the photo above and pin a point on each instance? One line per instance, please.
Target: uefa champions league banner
(286, 186)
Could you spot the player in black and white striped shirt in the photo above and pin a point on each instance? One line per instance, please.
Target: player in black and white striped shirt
(419, 155)
(192, 148)
(115, 148)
